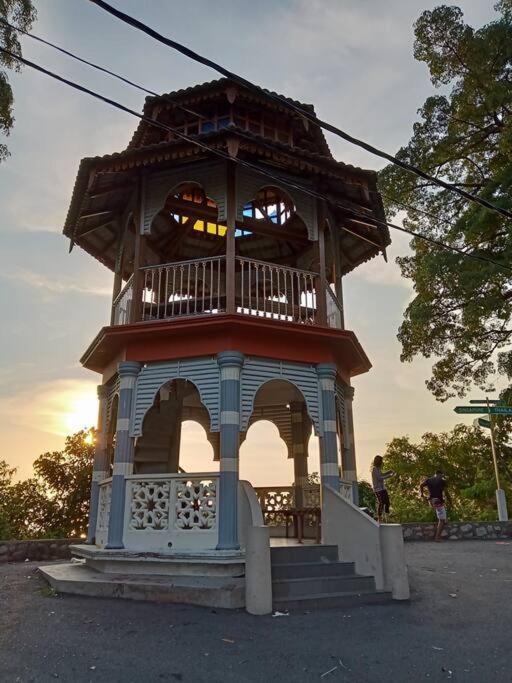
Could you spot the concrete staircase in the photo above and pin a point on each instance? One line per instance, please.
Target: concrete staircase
(311, 576)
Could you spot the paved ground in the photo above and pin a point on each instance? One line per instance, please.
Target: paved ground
(456, 627)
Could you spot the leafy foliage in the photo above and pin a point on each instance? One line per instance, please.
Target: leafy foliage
(461, 310)
(67, 478)
(464, 456)
(54, 503)
(21, 13)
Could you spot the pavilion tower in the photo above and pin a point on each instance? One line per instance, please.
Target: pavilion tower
(227, 307)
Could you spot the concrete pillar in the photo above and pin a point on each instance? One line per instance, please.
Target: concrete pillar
(123, 454)
(100, 466)
(329, 470)
(230, 364)
(258, 577)
(299, 453)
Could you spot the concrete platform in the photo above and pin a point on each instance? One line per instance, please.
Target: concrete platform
(126, 562)
(208, 591)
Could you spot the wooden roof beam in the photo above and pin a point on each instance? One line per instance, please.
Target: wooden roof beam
(95, 214)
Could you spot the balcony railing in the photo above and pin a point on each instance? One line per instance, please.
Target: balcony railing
(195, 287)
(121, 306)
(199, 287)
(276, 292)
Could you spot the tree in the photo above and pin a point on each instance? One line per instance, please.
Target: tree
(25, 511)
(464, 456)
(461, 312)
(21, 13)
(67, 477)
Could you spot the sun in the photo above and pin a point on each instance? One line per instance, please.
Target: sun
(81, 412)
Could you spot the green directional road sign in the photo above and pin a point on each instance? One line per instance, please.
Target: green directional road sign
(482, 422)
(493, 410)
(491, 401)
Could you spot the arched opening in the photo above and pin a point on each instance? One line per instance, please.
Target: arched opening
(196, 450)
(189, 206)
(272, 205)
(264, 457)
(160, 447)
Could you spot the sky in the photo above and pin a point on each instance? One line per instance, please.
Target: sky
(351, 58)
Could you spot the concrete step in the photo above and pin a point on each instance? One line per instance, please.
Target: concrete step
(298, 570)
(208, 591)
(303, 553)
(331, 600)
(298, 589)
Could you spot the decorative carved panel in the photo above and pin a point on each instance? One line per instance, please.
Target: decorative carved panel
(196, 504)
(150, 505)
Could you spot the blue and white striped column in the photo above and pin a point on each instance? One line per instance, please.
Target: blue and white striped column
(123, 455)
(99, 470)
(230, 364)
(329, 469)
(300, 456)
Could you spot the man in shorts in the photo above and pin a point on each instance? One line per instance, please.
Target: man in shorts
(437, 491)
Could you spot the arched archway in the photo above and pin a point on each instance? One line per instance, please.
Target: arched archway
(160, 444)
(264, 456)
(198, 448)
(280, 402)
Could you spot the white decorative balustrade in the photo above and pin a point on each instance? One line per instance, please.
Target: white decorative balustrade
(347, 490)
(277, 292)
(196, 287)
(121, 306)
(273, 500)
(166, 512)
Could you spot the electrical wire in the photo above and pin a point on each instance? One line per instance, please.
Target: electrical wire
(297, 108)
(167, 98)
(254, 167)
(98, 67)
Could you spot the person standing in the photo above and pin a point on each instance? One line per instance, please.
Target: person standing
(437, 491)
(379, 487)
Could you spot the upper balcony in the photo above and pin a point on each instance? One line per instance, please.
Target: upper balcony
(207, 287)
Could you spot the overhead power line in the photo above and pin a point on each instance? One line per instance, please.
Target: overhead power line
(289, 104)
(98, 67)
(354, 213)
(169, 99)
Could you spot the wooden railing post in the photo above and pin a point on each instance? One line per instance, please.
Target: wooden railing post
(139, 257)
(230, 238)
(321, 303)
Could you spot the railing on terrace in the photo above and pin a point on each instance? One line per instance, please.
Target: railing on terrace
(194, 287)
(121, 306)
(274, 500)
(198, 287)
(334, 308)
(276, 292)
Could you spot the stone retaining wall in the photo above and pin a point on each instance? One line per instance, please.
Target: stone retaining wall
(458, 531)
(43, 549)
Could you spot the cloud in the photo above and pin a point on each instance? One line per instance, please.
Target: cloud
(52, 285)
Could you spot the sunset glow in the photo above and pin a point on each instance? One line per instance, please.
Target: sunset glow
(81, 413)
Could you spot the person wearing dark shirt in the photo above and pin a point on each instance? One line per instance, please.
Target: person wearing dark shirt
(437, 491)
